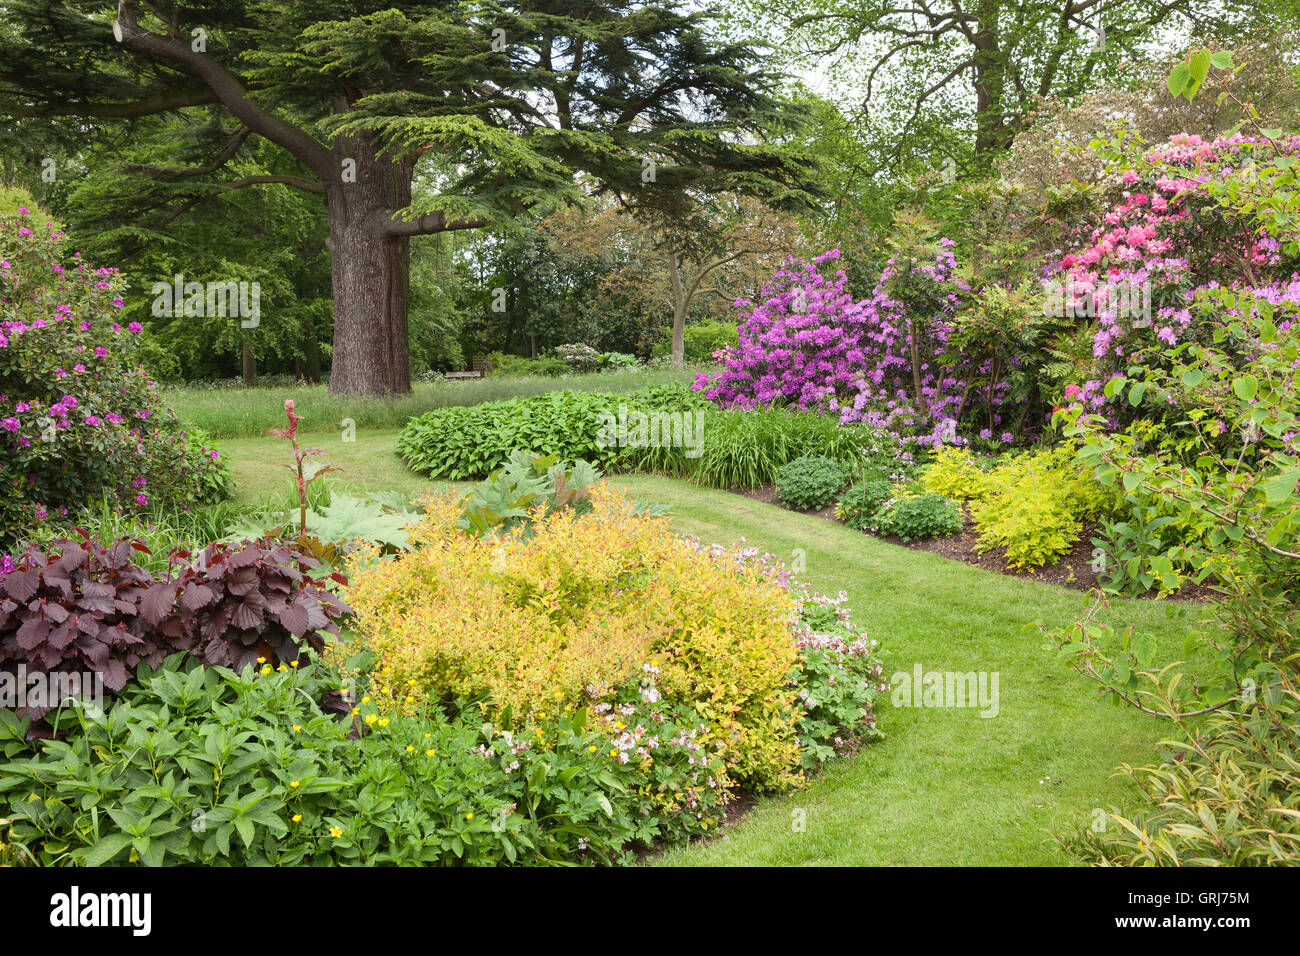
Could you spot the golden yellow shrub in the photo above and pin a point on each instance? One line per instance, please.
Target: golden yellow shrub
(572, 612)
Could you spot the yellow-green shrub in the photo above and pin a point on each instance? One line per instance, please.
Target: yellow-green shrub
(956, 473)
(1032, 525)
(1033, 505)
(526, 625)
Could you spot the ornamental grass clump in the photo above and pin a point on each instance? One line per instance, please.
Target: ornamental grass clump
(572, 614)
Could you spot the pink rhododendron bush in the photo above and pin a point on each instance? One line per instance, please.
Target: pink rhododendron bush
(80, 420)
(1166, 239)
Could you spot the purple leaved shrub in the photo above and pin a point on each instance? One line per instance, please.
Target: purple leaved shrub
(85, 609)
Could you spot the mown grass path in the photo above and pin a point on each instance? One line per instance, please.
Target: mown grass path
(946, 787)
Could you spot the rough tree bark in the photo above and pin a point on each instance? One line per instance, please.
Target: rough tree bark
(370, 269)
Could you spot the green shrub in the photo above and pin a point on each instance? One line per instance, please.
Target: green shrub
(1228, 791)
(214, 482)
(515, 366)
(858, 506)
(811, 483)
(616, 360)
(923, 516)
(1033, 505)
(700, 341)
(1232, 798)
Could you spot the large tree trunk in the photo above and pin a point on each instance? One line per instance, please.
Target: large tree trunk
(371, 274)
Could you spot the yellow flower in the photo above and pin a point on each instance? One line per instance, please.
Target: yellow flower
(591, 749)
(297, 727)
(430, 752)
(335, 832)
(355, 711)
(261, 660)
(282, 668)
(410, 699)
(266, 670)
(297, 818)
(410, 749)
(469, 816)
(371, 718)
(366, 699)
(383, 722)
(295, 783)
(613, 753)
(293, 663)
(427, 736)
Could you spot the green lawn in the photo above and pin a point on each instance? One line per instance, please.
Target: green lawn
(248, 412)
(946, 786)
(367, 464)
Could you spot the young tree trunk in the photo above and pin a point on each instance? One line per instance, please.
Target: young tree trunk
(992, 134)
(311, 369)
(249, 366)
(371, 273)
(679, 310)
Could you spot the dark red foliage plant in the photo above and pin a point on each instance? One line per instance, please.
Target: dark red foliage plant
(82, 608)
(75, 610)
(242, 603)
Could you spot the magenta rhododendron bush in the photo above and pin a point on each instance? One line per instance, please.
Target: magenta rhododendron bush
(80, 420)
(885, 360)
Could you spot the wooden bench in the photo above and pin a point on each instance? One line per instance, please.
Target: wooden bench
(462, 375)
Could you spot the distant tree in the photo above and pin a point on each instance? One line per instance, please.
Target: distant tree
(727, 248)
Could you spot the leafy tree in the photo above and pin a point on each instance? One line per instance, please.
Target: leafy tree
(129, 203)
(518, 97)
(1052, 152)
(927, 70)
(727, 249)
